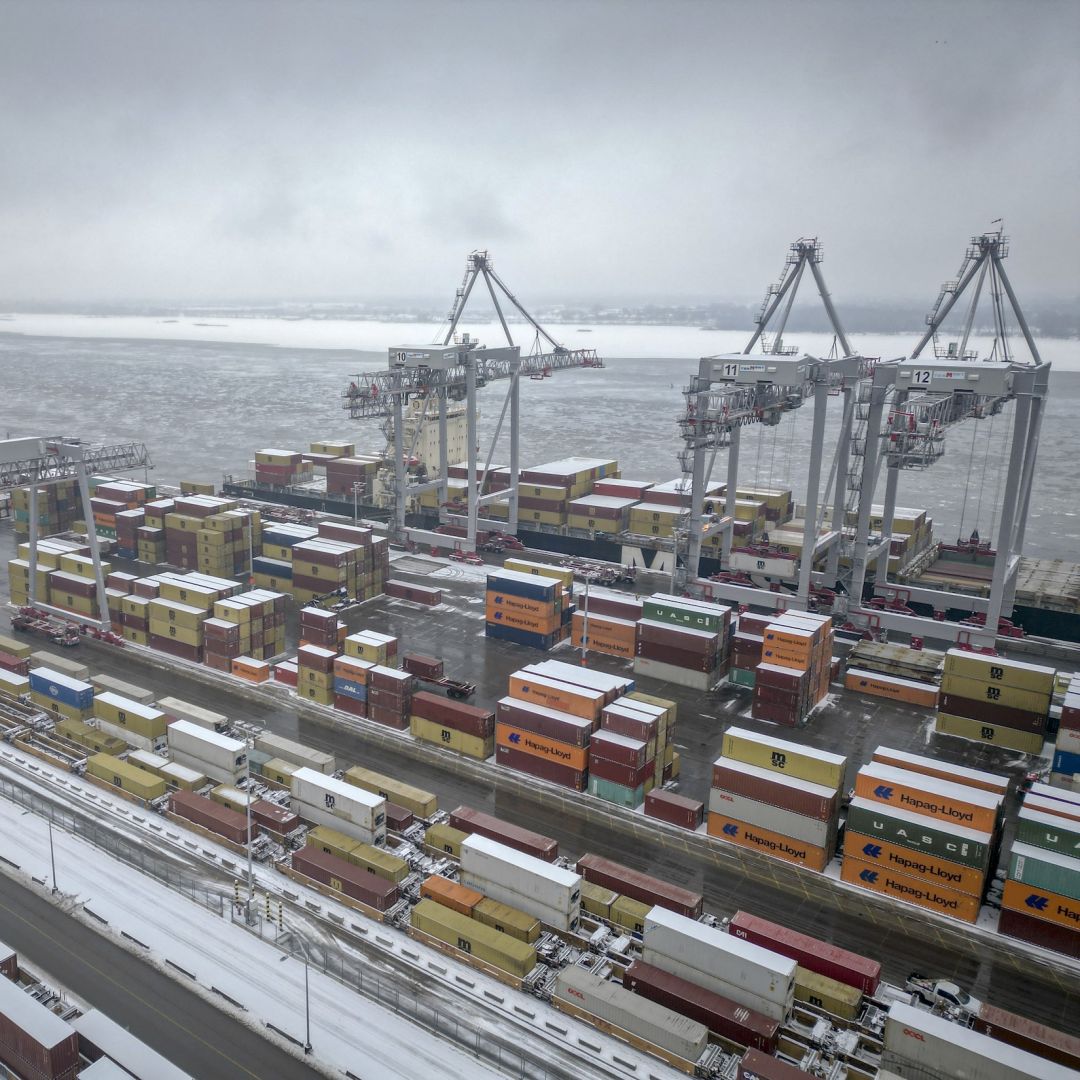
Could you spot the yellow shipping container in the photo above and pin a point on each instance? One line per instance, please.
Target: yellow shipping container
(507, 920)
(605, 525)
(999, 670)
(474, 938)
(786, 758)
(445, 838)
(597, 900)
(120, 774)
(1026, 742)
(630, 914)
(318, 694)
(136, 637)
(83, 734)
(141, 719)
(15, 648)
(421, 803)
(828, 994)
(177, 633)
(999, 694)
(470, 745)
(176, 613)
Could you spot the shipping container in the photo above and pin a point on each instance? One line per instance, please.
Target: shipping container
(919, 1043)
(958, 774)
(945, 901)
(120, 774)
(470, 720)
(719, 1014)
(1050, 831)
(34, 1041)
(1045, 870)
(209, 815)
(559, 696)
(787, 758)
(507, 920)
(469, 820)
(939, 800)
(338, 800)
(421, 803)
(226, 754)
(1039, 932)
(758, 1066)
(473, 938)
(916, 832)
(892, 687)
(552, 724)
(103, 683)
(674, 809)
(630, 914)
(345, 878)
(620, 749)
(776, 789)
(611, 686)
(833, 997)
(998, 669)
(445, 838)
(597, 900)
(816, 956)
(1042, 904)
(807, 830)
(745, 967)
(776, 845)
(632, 1013)
(565, 754)
(105, 1040)
(498, 864)
(451, 894)
(57, 686)
(982, 731)
(1035, 1038)
(919, 865)
(627, 881)
(544, 769)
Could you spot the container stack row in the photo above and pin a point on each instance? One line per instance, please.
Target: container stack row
(58, 508)
(924, 832)
(350, 475)
(683, 641)
(896, 672)
(777, 797)
(527, 609)
(14, 661)
(994, 700)
(1066, 766)
(282, 468)
(606, 622)
(250, 627)
(321, 627)
(465, 729)
(546, 492)
(796, 663)
(1041, 900)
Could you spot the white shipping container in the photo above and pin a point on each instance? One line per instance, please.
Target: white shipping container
(277, 746)
(71, 668)
(657, 669)
(105, 683)
(181, 775)
(644, 1018)
(121, 1046)
(763, 973)
(345, 802)
(143, 759)
(319, 815)
(549, 916)
(193, 714)
(920, 1043)
(785, 822)
(596, 680)
(220, 750)
(140, 742)
(209, 769)
(738, 994)
(552, 886)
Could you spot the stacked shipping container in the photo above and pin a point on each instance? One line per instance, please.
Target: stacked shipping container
(524, 608)
(793, 676)
(683, 641)
(465, 729)
(1066, 766)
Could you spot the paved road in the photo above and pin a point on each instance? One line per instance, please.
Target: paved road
(190, 1032)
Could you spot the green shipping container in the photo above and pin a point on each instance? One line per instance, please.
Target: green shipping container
(909, 831)
(659, 611)
(742, 677)
(611, 792)
(1048, 831)
(1045, 870)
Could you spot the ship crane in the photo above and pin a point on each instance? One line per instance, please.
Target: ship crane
(34, 462)
(912, 403)
(735, 390)
(454, 369)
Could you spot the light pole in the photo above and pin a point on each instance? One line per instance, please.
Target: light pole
(247, 807)
(357, 484)
(52, 858)
(307, 1011)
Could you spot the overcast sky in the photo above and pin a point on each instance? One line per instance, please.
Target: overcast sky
(601, 149)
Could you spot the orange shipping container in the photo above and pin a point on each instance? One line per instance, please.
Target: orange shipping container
(562, 697)
(522, 620)
(782, 656)
(451, 894)
(497, 601)
(1040, 904)
(601, 644)
(792, 638)
(917, 864)
(905, 796)
(738, 832)
(870, 876)
(866, 682)
(576, 757)
(353, 668)
(602, 625)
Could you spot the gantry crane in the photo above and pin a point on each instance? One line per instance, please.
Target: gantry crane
(926, 397)
(732, 391)
(33, 462)
(453, 370)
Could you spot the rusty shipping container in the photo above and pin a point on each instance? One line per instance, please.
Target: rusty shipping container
(355, 882)
(1028, 1035)
(469, 820)
(719, 1014)
(228, 823)
(639, 886)
(674, 809)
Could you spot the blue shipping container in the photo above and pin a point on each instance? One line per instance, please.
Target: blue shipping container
(348, 688)
(276, 568)
(62, 688)
(1065, 762)
(526, 586)
(520, 637)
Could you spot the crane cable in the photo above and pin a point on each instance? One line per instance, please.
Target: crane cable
(982, 479)
(967, 484)
(997, 487)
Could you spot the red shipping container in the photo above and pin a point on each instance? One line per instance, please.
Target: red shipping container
(316, 658)
(1046, 935)
(13, 664)
(389, 700)
(398, 818)
(719, 1014)
(617, 607)
(818, 956)
(619, 749)
(387, 717)
(425, 667)
(769, 695)
(551, 724)
(350, 705)
(776, 714)
(286, 673)
(677, 637)
(274, 818)
(399, 683)
(172, 647)
(676, 657)
(621, 720)
(218, 662)
(318, 617)
(354, 881)
(758, 1066)
(990, 712)
(625, 775)
(774, 793)
(349, 534)
(456, 715)
(1028, 1035)
(781, 678)
(469, 820)
(674, 809)
(639, 886)
(551, 771)
(23, 1050)
(223, 820)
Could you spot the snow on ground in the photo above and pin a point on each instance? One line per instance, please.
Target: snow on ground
(347, 1031)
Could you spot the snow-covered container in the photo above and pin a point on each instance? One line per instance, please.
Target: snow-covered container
(647, 1020)
(724, 964)
(919, 1043)
(193, 714)
(277, 746)
(106, 1036)
(325, 800)
(218, 756)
